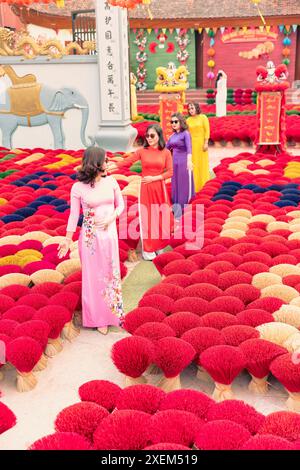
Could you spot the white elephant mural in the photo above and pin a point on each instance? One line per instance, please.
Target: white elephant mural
(30, 104)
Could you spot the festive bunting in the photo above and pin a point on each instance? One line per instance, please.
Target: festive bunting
(171, 30)
(207, 30)
(261, 29)
(287, 28)
(222, 29)
(294, 27)
(149, 30)
(164, 30)
(200, 30)
(245, 28)
(130, 5)
(268, 28)
(281, 28)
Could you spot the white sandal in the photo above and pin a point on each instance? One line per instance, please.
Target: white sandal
(148, 256)
(103, 330)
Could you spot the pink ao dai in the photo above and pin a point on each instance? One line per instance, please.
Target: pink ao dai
(99, 251)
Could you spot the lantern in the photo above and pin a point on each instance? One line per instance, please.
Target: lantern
(286, 52)
(129, 4)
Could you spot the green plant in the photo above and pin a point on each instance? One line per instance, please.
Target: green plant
(293, 112)
(136, 167)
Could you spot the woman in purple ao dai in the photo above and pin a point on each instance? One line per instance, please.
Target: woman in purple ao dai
(182, 182)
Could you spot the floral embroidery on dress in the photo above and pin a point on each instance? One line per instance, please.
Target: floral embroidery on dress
(90, 228)
(113, 294)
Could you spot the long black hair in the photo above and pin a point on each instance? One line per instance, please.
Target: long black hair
(159, 131)
(92, 165)
(197, 107)
(218, 78)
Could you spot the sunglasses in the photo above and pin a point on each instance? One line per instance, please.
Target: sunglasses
(175, 121)
(150, 136)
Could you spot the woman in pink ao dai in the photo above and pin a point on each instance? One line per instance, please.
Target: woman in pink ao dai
(101, 201)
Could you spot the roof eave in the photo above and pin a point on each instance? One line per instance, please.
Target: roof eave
(195, 23)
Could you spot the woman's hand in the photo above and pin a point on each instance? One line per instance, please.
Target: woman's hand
(205, 147)
(104, 223)
(190, 165)
(64, 247)
(149, 179)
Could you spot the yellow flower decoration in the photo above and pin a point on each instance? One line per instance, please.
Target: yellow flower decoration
(27, 259)
(11, 259)
(29, 252)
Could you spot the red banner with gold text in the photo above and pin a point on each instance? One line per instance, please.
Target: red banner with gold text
(169, 104)
(270, 106)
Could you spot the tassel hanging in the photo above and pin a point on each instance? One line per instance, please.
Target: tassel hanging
(261, 15)
(147, 3)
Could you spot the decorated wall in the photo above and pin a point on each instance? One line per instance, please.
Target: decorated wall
(239, 52)
(59, 75)
(150, 49)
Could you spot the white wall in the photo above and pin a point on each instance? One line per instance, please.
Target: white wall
(82, 75)
(62, 35)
